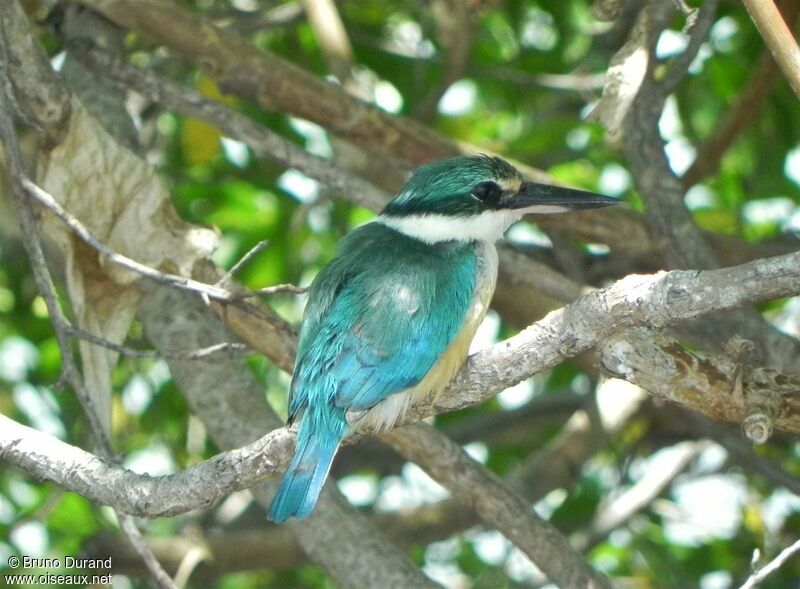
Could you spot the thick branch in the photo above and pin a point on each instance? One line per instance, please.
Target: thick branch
(681, 240)
(721, 387)
(655, 300)
(30, 76)
(48, 458)
(675, 231)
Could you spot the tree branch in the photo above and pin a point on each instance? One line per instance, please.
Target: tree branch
(230, 402)
(637, 497)
(273, 83)
(622, 229)
(679, 238)
(498, 506)
(656, 300)
(778, 38)
(275, 548)
(776, 563)
(134, 536)
(174, 280)
(28, 73)
(721, 387)
(19, 188)
(748, 105)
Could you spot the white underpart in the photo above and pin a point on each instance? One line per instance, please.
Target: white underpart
(487, 226)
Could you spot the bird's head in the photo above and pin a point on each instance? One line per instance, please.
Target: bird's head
(469, 198)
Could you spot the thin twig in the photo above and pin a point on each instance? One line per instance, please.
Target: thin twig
(182, 282)
(701, 21)
(778, 38)
(198, 354)
(136, 539)
(213, 291)
(256, 249)
(279, 289)
(772, 566)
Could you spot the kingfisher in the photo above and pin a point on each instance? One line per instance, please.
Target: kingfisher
(389, 320)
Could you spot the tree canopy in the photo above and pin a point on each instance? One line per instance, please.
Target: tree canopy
(176, 172)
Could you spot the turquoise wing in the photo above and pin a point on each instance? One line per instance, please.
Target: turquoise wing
(380, 315)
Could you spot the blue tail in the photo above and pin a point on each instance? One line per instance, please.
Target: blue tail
(303, 481)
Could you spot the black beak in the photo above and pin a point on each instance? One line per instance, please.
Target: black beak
(544, 199)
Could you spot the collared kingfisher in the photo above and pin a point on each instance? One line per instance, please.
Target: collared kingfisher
(391, 317)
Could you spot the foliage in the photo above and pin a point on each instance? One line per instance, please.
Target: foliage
(524, 92)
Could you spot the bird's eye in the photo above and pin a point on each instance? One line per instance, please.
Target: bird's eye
(488, 192)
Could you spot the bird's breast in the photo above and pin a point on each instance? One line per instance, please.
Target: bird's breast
(387, 412)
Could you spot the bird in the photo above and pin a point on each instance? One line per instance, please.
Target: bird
(390, 318)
